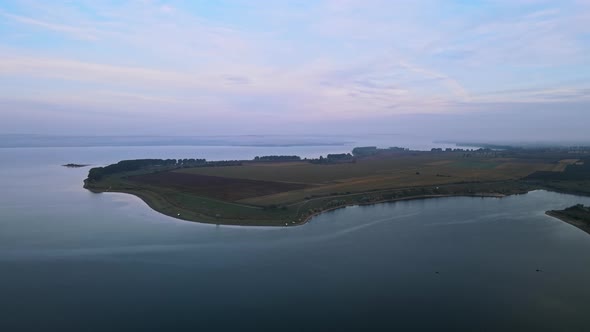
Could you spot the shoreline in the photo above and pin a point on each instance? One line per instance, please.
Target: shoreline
(204, 219)
(576, 223)
(222, 193)
(409, 198)
(289, 223)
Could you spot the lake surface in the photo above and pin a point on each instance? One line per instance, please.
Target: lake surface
(71, 260)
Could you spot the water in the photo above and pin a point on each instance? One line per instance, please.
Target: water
(75, 261)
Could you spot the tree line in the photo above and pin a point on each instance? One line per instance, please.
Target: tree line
(97, 173)
(277, 158)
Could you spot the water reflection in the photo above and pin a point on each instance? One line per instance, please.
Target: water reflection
(450, 263)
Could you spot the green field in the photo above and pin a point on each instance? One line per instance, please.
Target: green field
(288, 193)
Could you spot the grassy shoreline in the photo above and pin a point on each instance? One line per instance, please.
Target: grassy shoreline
(153, 200)
(563, 216)
(403, 199)
(288, 191)
(257, 223)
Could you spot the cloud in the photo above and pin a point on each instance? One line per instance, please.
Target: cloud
(452, 84)
(560, 94)
(86, 34)
(291, 61)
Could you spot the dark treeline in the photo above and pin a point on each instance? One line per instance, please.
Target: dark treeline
(458, 150)
(364, 151)
(97, 173)
(578, 207)
(339, 156)
(333, 159)
(575, 172)
(578, 212)
(218, 163)
(277, 158)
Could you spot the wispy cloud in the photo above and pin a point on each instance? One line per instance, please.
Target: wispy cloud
(70, 30)
(294, 61)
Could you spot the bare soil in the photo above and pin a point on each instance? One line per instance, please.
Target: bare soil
(223, 188)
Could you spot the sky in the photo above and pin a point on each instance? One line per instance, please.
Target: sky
(449, 69)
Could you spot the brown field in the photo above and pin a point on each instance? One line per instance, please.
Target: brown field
(410, 170)
(304, 172)
(287, 193)
(222, 188)
(562, 164)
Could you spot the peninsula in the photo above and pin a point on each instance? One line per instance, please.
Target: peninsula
(288, 190)
(577, 215)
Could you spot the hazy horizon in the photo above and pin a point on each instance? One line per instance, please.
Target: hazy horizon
(476, 70)
(338, 142)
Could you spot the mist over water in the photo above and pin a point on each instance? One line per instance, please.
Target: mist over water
(279, 142)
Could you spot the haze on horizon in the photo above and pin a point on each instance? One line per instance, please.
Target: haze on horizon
(492, 70)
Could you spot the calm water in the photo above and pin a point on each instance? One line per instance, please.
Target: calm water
(72, 260)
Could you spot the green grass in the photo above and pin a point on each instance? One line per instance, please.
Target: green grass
(411, 175)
